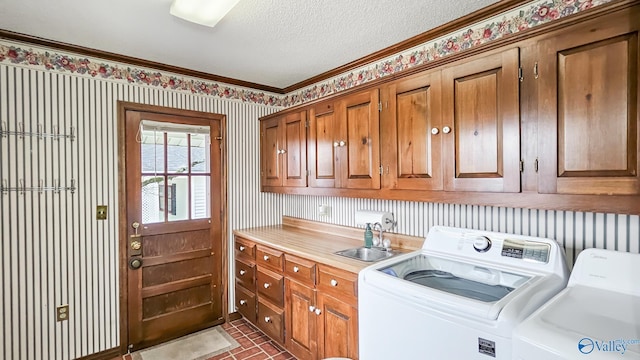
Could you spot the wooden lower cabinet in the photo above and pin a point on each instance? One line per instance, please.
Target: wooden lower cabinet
(309, 308)
(337, 328)
(301, 336)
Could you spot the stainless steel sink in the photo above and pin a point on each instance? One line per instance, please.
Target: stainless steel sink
(366, 254)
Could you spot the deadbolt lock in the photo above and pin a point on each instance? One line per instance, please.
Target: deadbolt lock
(136, 245)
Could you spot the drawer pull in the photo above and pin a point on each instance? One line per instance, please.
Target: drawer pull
(334, 282)
(312, 308)
(242, 272)
(241, 248)
(296, 269)
(243, 302)
(267, 285)
(267, 319)
(266, 258)
(318, 311)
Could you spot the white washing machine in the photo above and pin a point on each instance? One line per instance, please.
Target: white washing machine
(596, 317)
(459, 297)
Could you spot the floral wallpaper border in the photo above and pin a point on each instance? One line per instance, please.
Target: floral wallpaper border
(525, 17)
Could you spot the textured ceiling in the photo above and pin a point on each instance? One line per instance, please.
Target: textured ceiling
(269, 42)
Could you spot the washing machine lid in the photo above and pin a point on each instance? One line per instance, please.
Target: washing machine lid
(583, 320)
(464, 279)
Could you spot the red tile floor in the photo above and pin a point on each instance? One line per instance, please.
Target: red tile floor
(254, 344)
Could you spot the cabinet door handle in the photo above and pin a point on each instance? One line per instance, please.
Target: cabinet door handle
(267, 285)
(243, 302)
(266, 258)
(446, 129)
(312, 308)
(242, 272)
(318, 311)
(296, 269)
(267, 319)
(435, 131)
(241, 248)
(334, 282)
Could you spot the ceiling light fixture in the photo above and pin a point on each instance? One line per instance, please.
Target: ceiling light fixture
(203, 12)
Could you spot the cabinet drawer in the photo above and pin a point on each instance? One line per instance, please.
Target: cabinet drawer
(246, 303)
(270, 258)
(341, 283)
(245, 248)
(271, 286)
(300, 269)
(245, 274)
(271, 320)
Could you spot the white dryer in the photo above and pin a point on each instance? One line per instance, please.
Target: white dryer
(596, 317)
(459, 297)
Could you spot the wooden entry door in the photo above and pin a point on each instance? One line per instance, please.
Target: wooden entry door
(172, 251)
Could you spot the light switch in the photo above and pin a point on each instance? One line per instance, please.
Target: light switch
(101, 212)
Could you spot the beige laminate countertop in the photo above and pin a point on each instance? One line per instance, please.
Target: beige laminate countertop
(318, 246)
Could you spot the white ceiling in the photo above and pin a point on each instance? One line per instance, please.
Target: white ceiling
(269, 42)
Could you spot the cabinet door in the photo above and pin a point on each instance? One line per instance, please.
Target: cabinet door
(323, 134)
(300, 337)
(270, 147)
(588, 111)
(481, 124)
(337, 328)
(411, 133)
(358, 143)
(294, 157)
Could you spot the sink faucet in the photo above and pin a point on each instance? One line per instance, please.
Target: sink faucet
(381, 243)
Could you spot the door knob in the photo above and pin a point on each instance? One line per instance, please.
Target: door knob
(335, 144)
(334, 282)
(135, 263)
(243, 302)
(435, 131)
(136, 245)
(342, 143)
(446, 129)
(312, 308)
(318, 311)
(241, 248)
(267, 285)
(296, 269)
(266, 258)
(267, 319)
(242, 272)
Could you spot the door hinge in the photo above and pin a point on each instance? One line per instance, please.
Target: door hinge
(521, 165)
(379, 106)
(381, 169)
(218, 137)
(535, 165)
(535, 70)
(520, 74)
(306, 123)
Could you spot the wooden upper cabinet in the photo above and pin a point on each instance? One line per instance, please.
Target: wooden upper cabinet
(284, 150)
(588, 110)
(481, 124)
(344, 142)
(358, 140)
(323, 132)
(411, 133)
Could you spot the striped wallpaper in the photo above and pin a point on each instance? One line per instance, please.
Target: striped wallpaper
(53, 251)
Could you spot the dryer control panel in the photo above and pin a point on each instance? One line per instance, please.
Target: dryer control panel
(527, 250)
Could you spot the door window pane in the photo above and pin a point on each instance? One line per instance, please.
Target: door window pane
(178, 201)
(177, 152)
(199, 153)
(153, 199)
(152, 149)
(200, 199)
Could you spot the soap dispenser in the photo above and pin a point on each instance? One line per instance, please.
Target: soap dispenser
(368, 236)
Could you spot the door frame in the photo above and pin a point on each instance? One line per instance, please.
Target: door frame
(123, 107)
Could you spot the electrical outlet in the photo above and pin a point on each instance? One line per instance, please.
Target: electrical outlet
(101, 212)
(62, 313)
